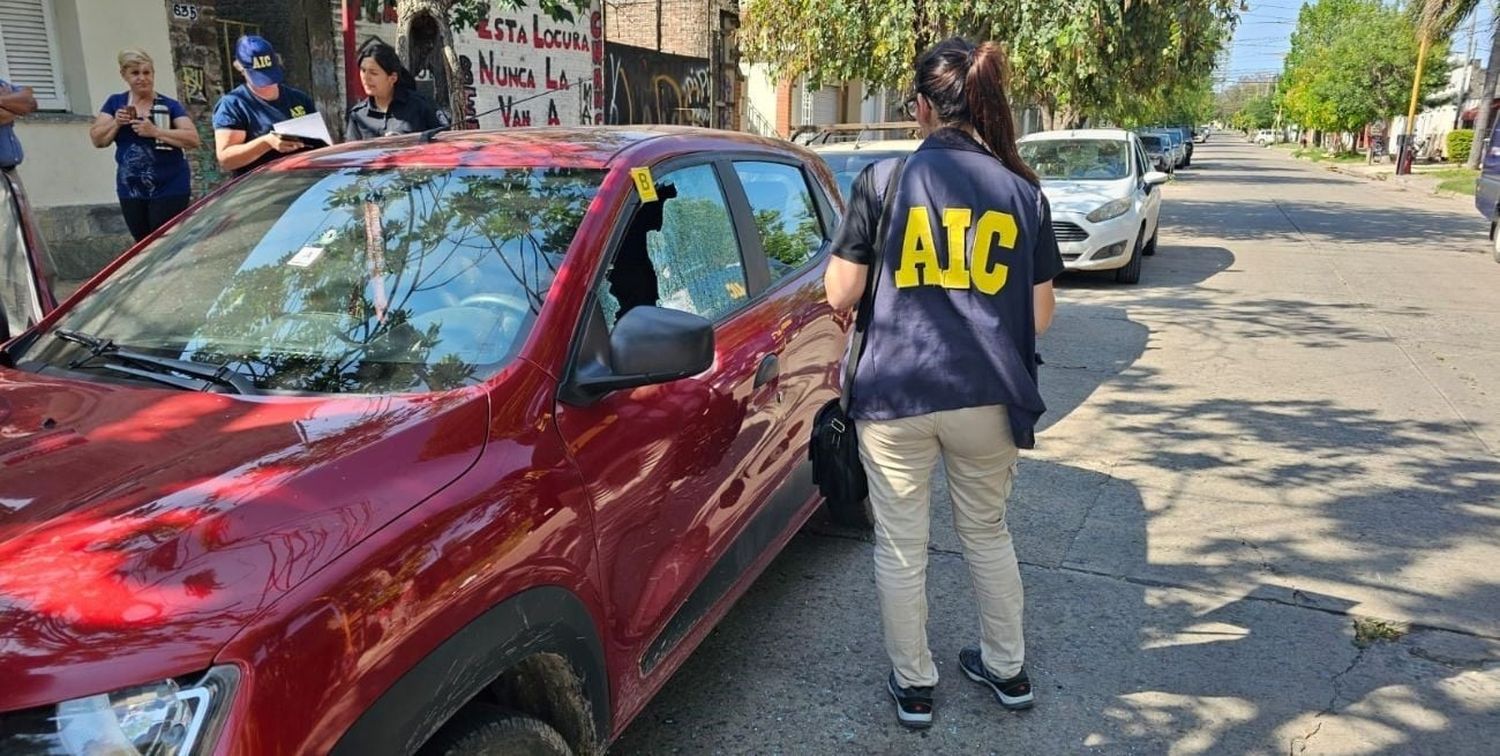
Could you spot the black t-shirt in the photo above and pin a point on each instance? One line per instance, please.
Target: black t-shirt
(855, 239)
(409, 113)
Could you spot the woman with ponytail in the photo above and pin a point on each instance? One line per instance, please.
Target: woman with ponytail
(392, 104)
(953, 274)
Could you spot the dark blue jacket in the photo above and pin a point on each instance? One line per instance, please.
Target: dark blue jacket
(953, 321)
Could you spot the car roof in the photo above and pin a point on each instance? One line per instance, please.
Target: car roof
(883, 145)
(536, 147)
(1042, 136)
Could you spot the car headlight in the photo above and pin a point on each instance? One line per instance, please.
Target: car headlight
(1111, 209)
(169, 718)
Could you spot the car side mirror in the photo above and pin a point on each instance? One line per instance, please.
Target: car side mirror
(1156, 178)
(648, 346)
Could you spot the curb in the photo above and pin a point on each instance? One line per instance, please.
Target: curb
(1403, 183)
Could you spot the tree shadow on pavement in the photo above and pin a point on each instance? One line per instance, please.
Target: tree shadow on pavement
(1173, 266)
(1324, 221)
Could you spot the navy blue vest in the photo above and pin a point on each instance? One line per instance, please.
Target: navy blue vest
(953, 319)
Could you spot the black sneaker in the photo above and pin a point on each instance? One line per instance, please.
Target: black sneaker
(1014, 694)
(913, 705)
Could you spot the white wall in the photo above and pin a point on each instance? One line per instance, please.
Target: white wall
(62, 167)
(760, 99)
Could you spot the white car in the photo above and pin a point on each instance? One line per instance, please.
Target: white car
(1105, 197)
(1267, 137)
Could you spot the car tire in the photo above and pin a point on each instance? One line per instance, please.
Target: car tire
(1131, 272)
(1150, 248)
(859, 516)
(481, 730)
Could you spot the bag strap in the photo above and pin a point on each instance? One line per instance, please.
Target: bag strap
(867, 302)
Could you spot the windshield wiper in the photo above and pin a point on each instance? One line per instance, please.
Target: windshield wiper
(155, 368)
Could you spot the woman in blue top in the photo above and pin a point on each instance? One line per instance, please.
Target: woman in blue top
(149, 132)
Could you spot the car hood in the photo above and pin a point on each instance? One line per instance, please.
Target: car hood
(1083, 196)
(140, 528)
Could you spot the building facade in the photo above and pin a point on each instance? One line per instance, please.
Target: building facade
(674, 61)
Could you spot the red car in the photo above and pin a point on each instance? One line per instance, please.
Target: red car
(455, 444)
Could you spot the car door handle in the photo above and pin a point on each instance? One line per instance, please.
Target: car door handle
(769, 369)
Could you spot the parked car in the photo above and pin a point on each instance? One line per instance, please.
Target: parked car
(1487, 187)
(1267, 137)
(839, 133)
(25, 276)
(459, 443)
(1157, 151)
(1200, 134)
(847, 159)
(1185, 135)
(1177, 150)
(1105, 197)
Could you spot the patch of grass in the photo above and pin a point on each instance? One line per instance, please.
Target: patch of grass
(1368, 632)
(1320, 155)
(1456, 180)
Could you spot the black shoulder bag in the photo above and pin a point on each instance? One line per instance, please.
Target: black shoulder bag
(834, 451)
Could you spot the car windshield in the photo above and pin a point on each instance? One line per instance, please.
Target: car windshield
(1077, 159)
(366, 281)
(847, 165)
(1151, 143)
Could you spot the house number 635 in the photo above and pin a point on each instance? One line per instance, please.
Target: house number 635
(186, 11)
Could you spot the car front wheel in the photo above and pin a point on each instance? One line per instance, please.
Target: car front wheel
(1131, 272)
(491, 731)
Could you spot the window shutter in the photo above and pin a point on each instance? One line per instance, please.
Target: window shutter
(28, 50)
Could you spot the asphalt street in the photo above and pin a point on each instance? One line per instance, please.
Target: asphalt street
(1289, 428)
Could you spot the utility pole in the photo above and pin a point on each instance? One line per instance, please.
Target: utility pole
(1463, 90)
(1486, 100)
(1403, 160)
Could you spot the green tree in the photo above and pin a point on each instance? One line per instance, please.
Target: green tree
(1351, 64)
(1256, 113)
(1074, 57)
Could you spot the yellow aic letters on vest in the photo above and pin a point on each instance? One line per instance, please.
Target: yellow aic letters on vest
(966, 269)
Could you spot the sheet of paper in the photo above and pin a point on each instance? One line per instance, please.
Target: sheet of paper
(309, 128)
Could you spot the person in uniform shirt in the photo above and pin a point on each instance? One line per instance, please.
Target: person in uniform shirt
(149, 131)
(948, 372)
(16, 102)
(245, 116)
(392, 104)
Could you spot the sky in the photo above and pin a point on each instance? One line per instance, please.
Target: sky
(1265, 34)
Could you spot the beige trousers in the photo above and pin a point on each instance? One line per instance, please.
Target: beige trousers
(979, 454)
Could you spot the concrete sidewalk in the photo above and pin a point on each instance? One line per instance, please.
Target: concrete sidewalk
(1420, 180)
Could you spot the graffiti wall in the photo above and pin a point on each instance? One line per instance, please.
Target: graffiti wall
(520, 68)
(645, 86)
(197, 59)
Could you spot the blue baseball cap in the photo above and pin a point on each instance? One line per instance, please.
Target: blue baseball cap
(261, 63)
